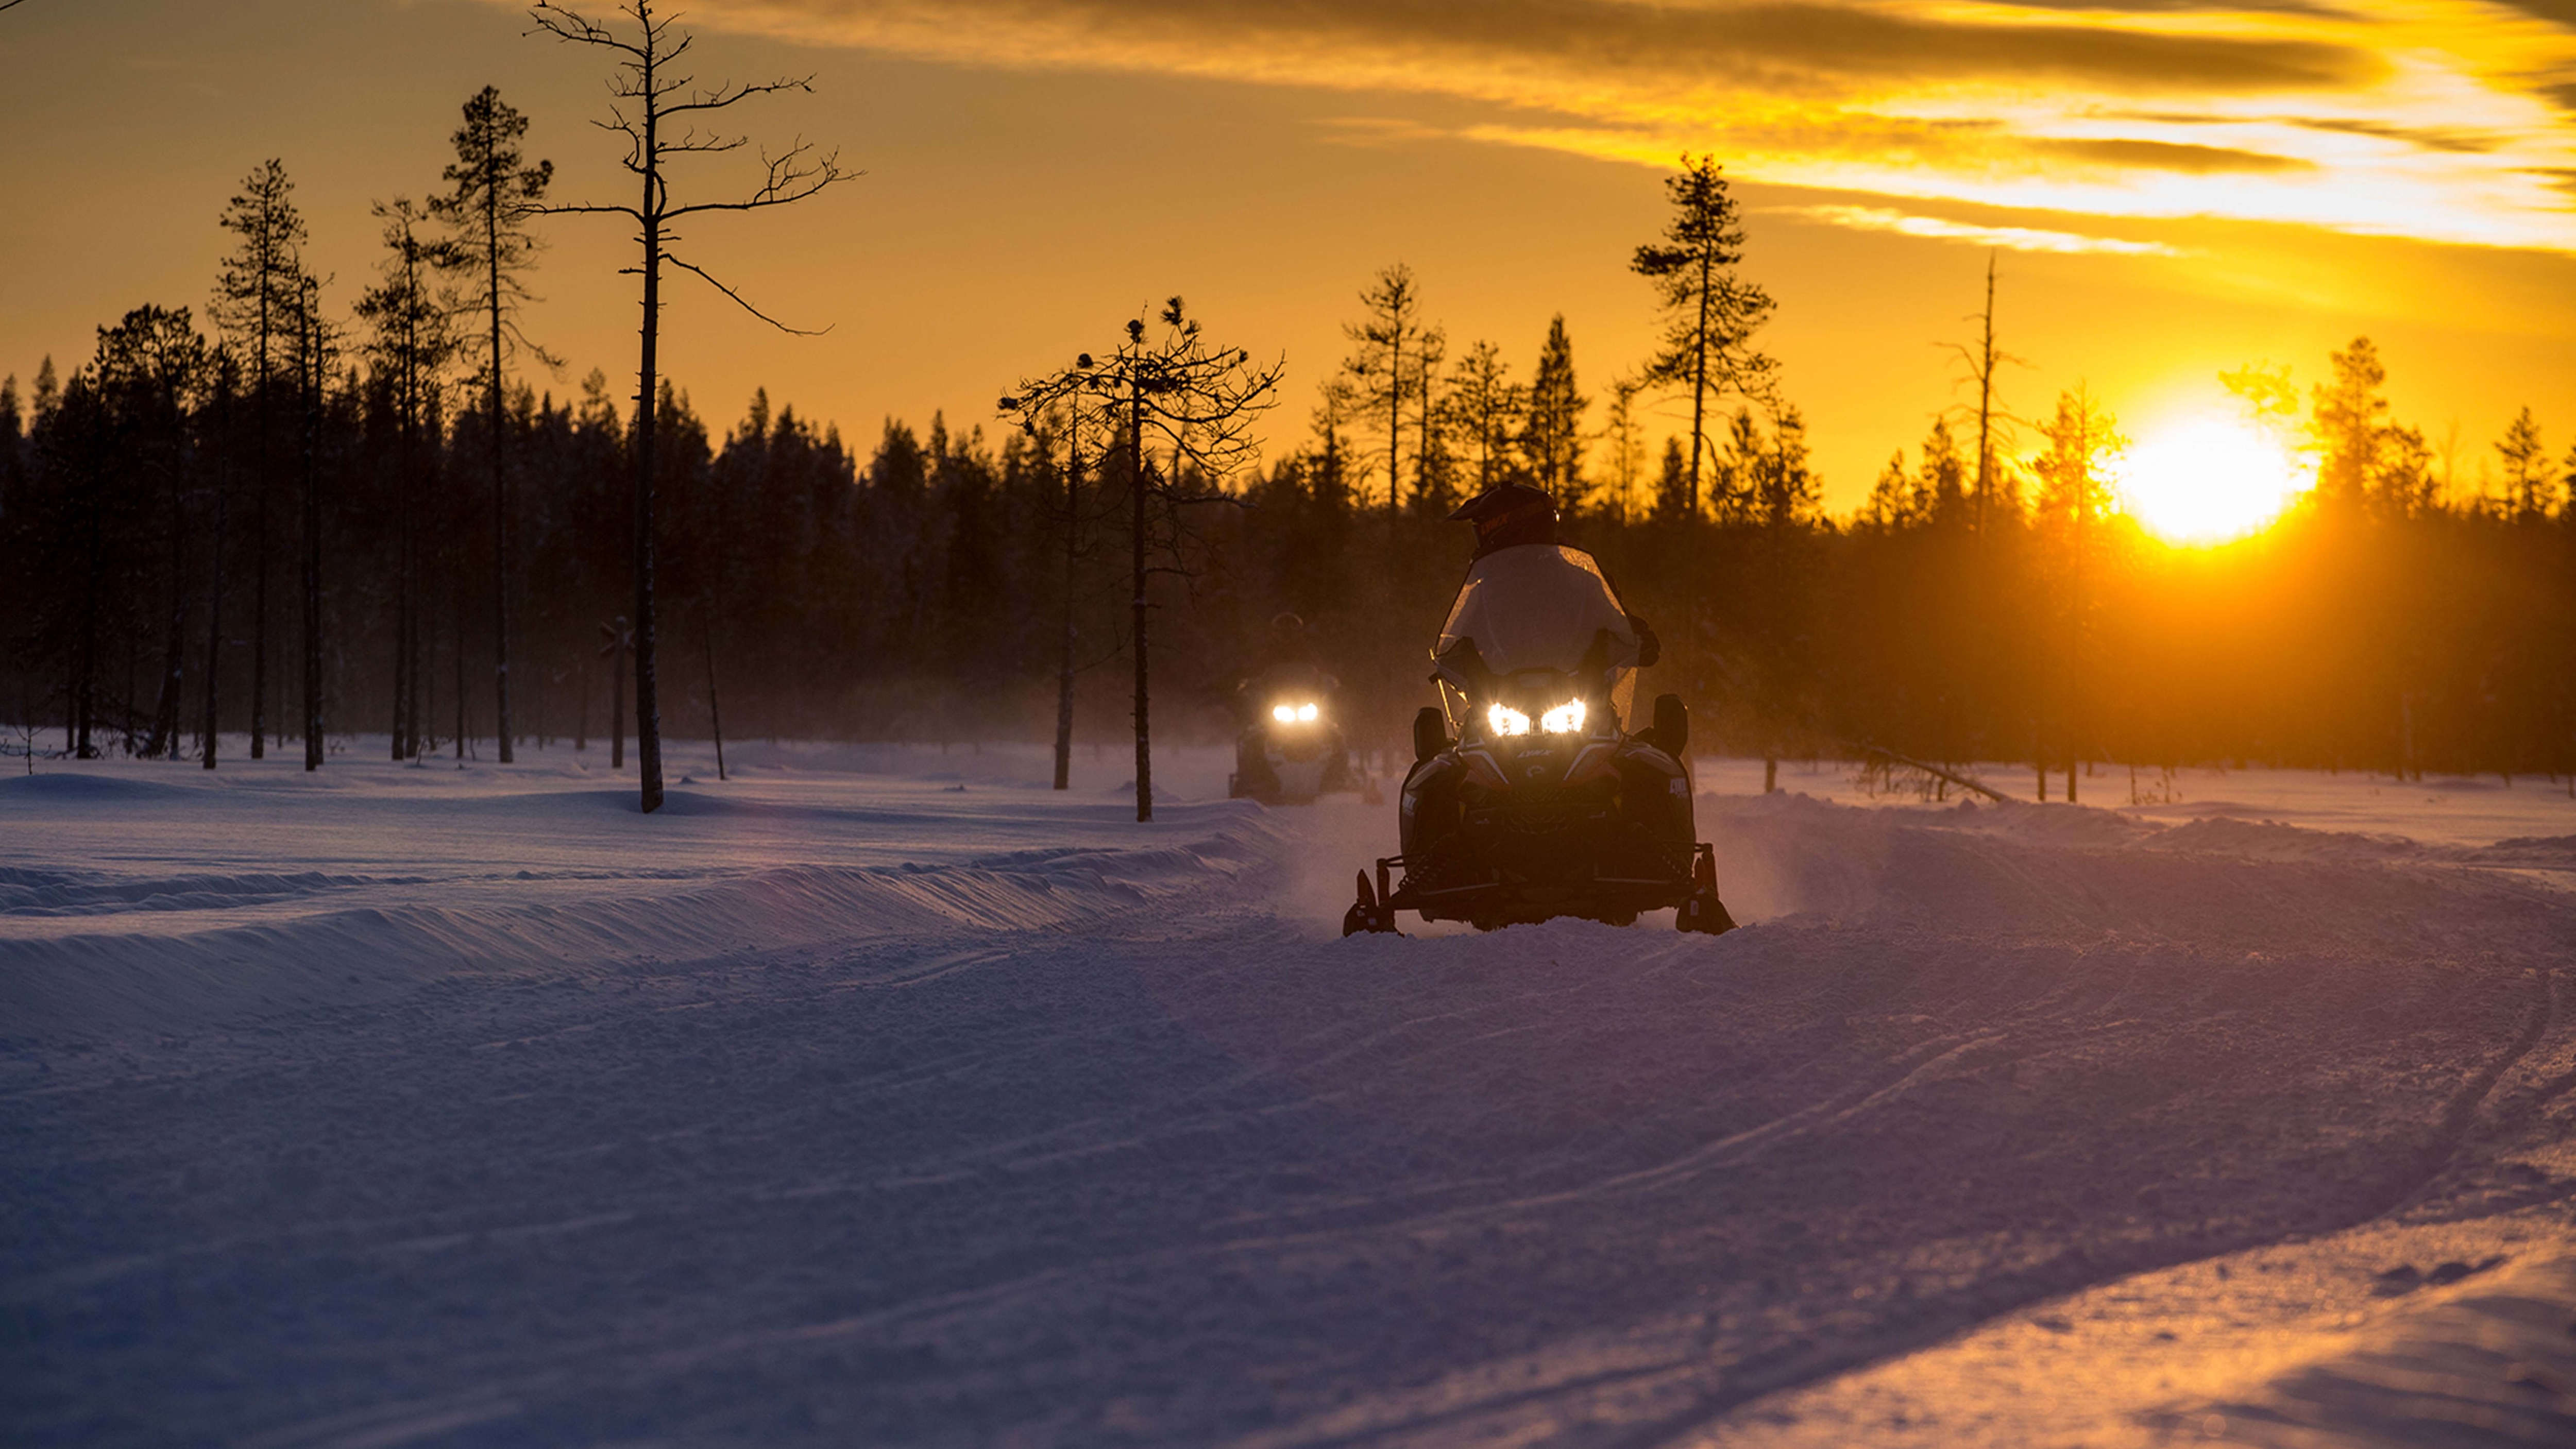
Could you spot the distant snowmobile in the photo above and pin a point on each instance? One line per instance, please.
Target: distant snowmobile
(1527, 798)
(1291, 749)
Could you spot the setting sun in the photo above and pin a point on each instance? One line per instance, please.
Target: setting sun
(2207, 479)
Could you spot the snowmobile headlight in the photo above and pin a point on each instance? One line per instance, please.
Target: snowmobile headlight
(1506, 720)
(1565, 719)
(1284, 713)
(1306, 714)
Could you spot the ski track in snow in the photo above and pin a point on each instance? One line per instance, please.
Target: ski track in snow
(887, 1097)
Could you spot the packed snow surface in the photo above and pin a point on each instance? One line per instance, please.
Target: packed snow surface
(885, 1096)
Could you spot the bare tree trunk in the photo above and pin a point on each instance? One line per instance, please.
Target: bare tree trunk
(648, 721)
(456, 603)
(402, 574)
(215, 580)
(312, 540)
(85, 664)
(617, 700)
(1986, 402)
(1136, 487)
(1072, 551)
(500, 520)
(259, 572)
(1699, 382)
(715, 712)
(174, 659)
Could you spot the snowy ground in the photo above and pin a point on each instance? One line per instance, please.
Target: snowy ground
(883, 1096)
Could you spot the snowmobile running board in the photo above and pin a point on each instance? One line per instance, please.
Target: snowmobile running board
(1699, 911)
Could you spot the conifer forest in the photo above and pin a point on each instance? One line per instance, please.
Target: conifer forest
(280, 516)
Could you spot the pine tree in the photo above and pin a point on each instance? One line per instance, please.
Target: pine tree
(1553, 437)
(1388, 369)
(489, 248)
(2348, 421)
(2526, 465)
(258, 294)
(412, 341)
(1710, 314)
(1488, 407)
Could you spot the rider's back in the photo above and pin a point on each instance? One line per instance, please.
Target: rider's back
(1537, 606)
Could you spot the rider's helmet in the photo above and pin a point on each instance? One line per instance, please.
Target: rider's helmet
(1508, 514)
(1285, 626)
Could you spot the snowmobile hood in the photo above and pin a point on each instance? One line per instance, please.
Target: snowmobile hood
(1538, 606)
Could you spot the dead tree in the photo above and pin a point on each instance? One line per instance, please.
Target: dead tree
(1203, 403)
(1981, 361)
(650, 99)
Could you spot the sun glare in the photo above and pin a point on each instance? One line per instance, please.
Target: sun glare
(2207, 479)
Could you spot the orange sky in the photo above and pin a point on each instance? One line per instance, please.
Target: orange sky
(2177, 189)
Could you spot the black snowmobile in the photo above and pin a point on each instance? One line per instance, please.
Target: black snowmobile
(1290, 749)
(1528, 799)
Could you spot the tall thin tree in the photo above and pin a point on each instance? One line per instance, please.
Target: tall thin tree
(1387, 368)
(1710, 313)
(1203, 403)
(313, 356)
(412, 340)
(257, 293)
(491, 247)
(1553, 437)
(650, 98)
(227, 382)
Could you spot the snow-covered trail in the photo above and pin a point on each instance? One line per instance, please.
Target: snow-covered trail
(838, 1108)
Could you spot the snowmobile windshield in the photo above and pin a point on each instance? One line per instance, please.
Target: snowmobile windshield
(1541, 607)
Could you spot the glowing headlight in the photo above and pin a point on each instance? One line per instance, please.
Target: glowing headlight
(1565, 719)
(1305, 714)
(1506, 720)
(1285, 714)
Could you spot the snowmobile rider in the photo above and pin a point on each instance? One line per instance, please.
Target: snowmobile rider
(1284, 665)
(1517, 556)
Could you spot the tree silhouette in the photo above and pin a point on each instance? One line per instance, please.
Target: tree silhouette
(315, 349)
(2075, 492)
(1489, 408)
(257, 294)
(489, 247)
(1710, 314)
(1068, 401)
(1553, 436)
(1993, 423)
(150, 366)
(1389, 367)
(1203, 403)
(2526, 465)
(412, 341)
(649, 98)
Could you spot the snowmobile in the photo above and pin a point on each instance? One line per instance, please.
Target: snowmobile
(1528, 798)
(1291, 750)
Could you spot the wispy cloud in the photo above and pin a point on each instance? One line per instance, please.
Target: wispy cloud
(2010, 238)
(2437, 119)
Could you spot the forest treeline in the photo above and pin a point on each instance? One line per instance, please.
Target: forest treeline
(266, 518)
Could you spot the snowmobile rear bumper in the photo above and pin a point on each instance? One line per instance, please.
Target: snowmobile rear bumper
(1500, 901)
